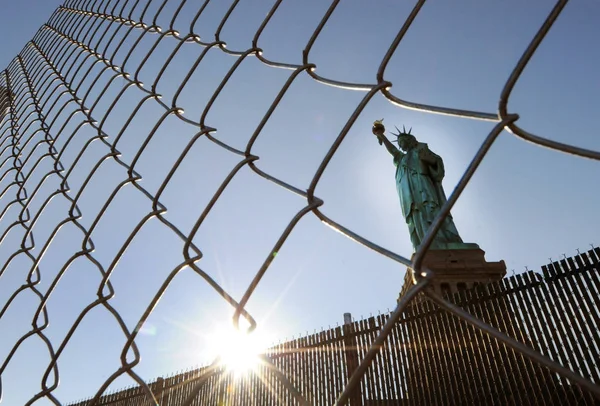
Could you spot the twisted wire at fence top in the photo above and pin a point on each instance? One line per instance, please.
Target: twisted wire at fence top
(46, 69)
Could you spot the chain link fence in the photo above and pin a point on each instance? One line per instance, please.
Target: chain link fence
(54, 111)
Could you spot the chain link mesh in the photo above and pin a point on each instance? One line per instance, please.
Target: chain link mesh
(55, 88)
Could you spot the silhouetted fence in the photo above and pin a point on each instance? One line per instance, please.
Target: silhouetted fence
(431, 356)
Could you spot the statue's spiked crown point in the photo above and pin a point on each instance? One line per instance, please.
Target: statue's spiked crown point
(403, 133)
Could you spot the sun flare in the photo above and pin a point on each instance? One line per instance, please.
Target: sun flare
(237, 350)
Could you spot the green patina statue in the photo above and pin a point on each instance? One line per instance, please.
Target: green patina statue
(419, 174)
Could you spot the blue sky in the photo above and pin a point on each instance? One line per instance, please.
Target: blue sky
(524, 205)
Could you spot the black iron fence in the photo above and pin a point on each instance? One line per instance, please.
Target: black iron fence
(431, 356)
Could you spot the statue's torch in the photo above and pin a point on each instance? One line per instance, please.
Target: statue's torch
(378, 129)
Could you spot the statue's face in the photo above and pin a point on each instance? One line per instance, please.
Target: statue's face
(404, 143)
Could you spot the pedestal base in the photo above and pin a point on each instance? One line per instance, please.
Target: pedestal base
(457, 269)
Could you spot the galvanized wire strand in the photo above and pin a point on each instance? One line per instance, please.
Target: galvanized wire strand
(418, 106)
(131, 171)
(24, 217)
(107, 306)
(59, 69)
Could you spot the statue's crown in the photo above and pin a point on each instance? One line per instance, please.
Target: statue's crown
(403, 133)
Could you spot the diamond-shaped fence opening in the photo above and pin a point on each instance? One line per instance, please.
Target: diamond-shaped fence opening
(124, 124)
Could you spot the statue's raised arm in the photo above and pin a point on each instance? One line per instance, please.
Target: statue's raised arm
(379, 131)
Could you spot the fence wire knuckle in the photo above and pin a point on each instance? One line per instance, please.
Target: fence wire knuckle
(62, 83)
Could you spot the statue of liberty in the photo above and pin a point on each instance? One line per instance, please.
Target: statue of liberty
(419, 174)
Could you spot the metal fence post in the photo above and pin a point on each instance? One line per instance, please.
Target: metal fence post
(351, 357)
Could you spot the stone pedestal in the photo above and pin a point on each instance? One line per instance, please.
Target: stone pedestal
(457, 269)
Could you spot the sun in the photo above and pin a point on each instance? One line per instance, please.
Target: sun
(237, 350)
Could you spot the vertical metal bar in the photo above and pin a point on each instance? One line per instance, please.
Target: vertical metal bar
(412, 396)
(463, 354)
(335, 371)
(422, 363)
(323, 366)
(288, 371)
(398, 360)
(317, 369)
(548, 322)
(479, 354)
(312, 370)
(388, 374)
(583, 334)
(444, 385)
(455, 360)
(530, 353)
(526, 328)
(566, 308)
(587, 286)
(588, 291)
(343, 371)
(584, 312)
(327, 366)
(306, 368)
(498, 311)
(374, 369)
(282, 392)
(297, 372)
(340, 373)
(362, 342)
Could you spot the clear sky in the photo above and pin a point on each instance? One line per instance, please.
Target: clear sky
(525, 204)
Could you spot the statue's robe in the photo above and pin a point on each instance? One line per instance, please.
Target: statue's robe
(419, 186)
